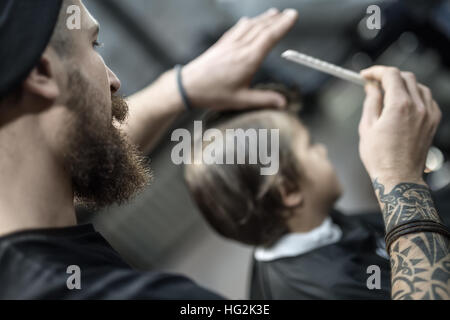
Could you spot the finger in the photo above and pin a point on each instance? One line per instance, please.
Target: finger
(432, 107)
(436, 113)
(236, 32)
(413, 89)
(436, 119)
(246, 24)
(253, 98)
(427, 96)
(272, 35)
(269, 15)
(396, 95)
(373, 104)
(260, 26)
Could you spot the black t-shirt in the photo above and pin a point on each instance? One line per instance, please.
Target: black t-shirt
(34, 265)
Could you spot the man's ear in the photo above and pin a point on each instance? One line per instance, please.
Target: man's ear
(292, 196)
(42, 81)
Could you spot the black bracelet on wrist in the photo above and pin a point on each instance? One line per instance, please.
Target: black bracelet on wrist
(416, 226)
(184, 96)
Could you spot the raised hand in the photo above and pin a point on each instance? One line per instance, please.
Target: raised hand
(221, 77)
(396, 129)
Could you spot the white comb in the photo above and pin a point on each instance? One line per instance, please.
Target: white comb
(324, 67)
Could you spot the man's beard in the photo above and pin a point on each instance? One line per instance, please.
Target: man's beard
(105, 167)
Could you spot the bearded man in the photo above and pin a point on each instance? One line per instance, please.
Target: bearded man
(67, 138)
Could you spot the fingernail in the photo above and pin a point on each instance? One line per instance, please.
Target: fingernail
(290, 12)
(282, 103)
(272, 11)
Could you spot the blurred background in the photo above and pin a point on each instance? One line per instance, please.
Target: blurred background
(162, 230)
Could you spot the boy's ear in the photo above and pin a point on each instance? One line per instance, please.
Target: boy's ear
(291, 196)
(42, 81)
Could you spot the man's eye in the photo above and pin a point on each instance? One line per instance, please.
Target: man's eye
(97, 44)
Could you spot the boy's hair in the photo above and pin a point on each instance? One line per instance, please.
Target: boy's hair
(236, 200)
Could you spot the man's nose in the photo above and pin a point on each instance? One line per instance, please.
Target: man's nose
(323, 148)
(114, 82)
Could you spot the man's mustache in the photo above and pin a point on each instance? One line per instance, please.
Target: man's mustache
(119, 108)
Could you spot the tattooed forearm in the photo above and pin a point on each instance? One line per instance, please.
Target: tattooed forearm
(406, 202)
(420, 265)
(420, 262)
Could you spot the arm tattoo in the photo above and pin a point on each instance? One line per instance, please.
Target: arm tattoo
(406, 202)
(420, 263)
(420, 267)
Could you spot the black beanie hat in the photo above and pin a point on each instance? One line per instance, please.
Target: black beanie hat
(26, 27)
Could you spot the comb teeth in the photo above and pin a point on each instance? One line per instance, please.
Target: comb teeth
(323, 66)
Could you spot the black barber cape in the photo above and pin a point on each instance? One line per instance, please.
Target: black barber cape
(34, 265)
(335, 271)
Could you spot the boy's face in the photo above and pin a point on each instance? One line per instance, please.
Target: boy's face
(319, 180)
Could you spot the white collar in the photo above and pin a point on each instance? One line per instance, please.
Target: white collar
(294, 244)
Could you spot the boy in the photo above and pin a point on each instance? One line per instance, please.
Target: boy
(304, 248)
